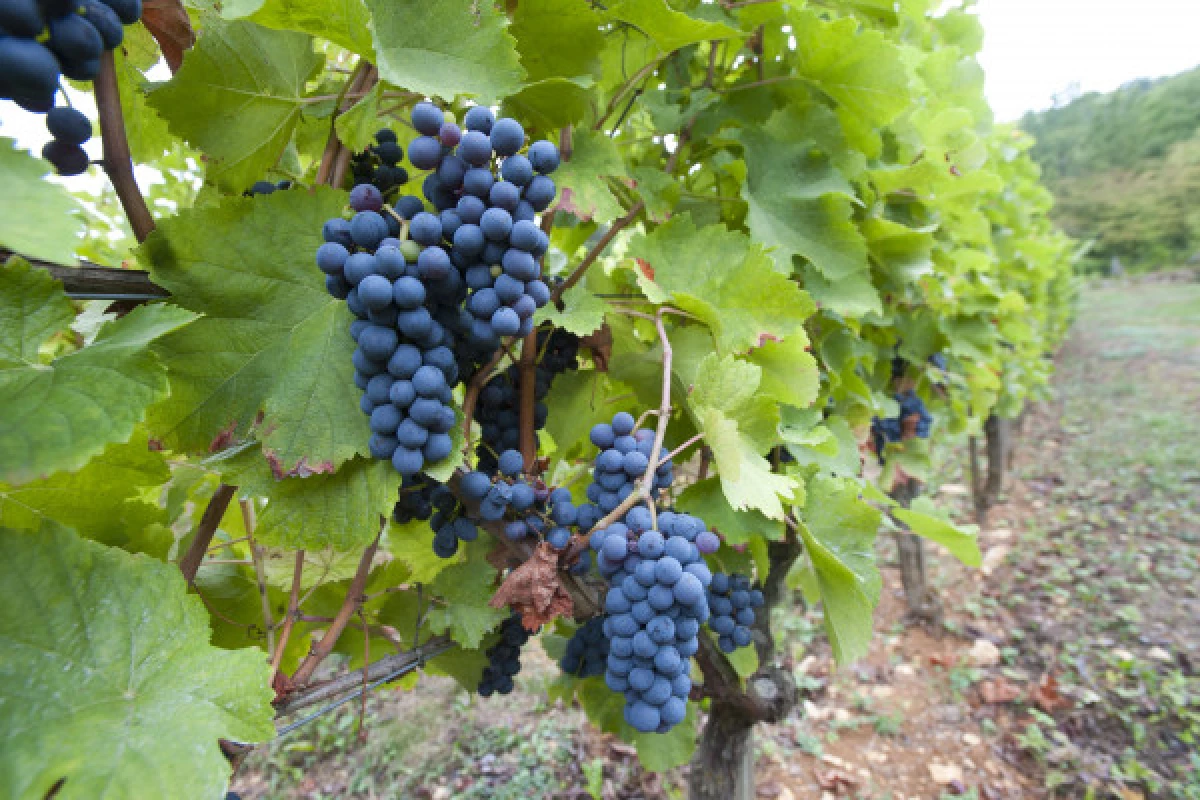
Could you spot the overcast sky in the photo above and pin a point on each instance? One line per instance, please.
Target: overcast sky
(1034, 49)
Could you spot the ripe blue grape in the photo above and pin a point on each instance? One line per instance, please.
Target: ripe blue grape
(70, 126)
(365, 197)
(540, 192)
(425, 152)
(479, 118)
(543, 155)
(507, 136)
(517, 170)
(427, 118)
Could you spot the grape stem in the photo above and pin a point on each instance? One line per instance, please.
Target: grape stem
(471, 396)
(260, 573)
(350, 606)
(527, 371)
(118, 163)
(209, 521)
(578, 273)
(333, 145)
(684, 446)
(293, 610)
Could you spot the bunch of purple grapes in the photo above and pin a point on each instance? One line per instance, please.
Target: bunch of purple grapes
(885, 431)
(379, 164)
(486, 195)
(732, 601)
(498, 411)
(41, 40)
(504, 658)
(526, 507)
(587, 650)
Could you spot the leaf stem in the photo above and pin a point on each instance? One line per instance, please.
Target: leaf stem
(293, 610)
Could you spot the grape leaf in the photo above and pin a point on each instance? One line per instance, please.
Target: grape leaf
(852, 295)
(357, 126)
(551, 103)
(238, 97)
(536, 22)
(738, 425)
(57, 417)
(271, 342)
(116, 689)
(412, 545)
(48, 226)
(799, 203)
(789, 372)
(32, 309)
(103, 500)
(723, 278)
(343, 22)
(706, 500)
(923, 519)
(582, 314)
(864, 73)
(839, 535)
(466, 588)
(451, 48)
(340, 511)
(582, 189)
(670, 29)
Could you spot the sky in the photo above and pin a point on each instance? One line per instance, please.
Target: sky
(1035, 49)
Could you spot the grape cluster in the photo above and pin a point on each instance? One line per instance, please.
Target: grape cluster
(656, 604)
(504, 658)
(624, 457)
(415, 500)
(884, 431)
(732, 601)
(43, 39)
(587, 650)
(486, 212)
(416, 288)
(498, 411)
(379, 164)
(402, 295)
(450, 524)
(266, 187)
(526, 507)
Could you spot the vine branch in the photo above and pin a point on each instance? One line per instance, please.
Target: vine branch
(118, 163)
(528, 400)
(595, 252)
(293, 610)
(211, 518)
(350, 606)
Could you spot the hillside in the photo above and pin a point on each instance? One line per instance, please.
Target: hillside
(1125, 170)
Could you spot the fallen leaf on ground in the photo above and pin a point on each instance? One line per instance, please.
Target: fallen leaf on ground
(1000, 690)
(1047, 697)
(835, 780)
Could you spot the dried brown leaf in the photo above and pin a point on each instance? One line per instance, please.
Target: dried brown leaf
(168, 23)
(534, 590)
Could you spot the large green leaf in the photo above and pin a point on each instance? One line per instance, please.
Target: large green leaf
(668, 28)
(537, 23)
(466, 588)
(738, 426)
(799, 203)
(107, 680)
(582, 189)
(551, 103)
(238, 97)
(57, 417)
(272, 341)
(340, 511)
(47, 225)
(103, 500)
(706, 500)
(447, 48)
(923, 519)
(343, 22)
(32, 309)
(839, 536)
(723, 278)
(789, 372)
(864, 73)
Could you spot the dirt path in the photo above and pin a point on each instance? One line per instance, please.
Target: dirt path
(1067, 664)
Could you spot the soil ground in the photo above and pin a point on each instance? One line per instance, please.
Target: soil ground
(1066, 667)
